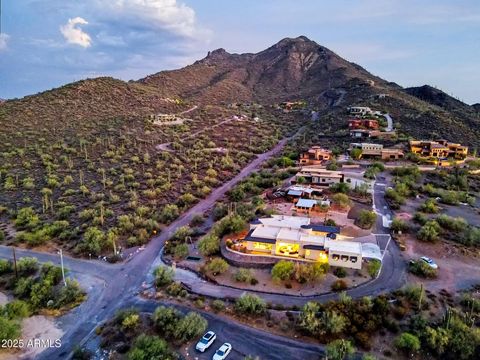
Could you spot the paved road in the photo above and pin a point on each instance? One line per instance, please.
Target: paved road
(245, 340)
(389, 122)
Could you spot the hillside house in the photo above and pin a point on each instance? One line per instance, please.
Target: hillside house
(296, 237)
(377, 151)
(440, 149)
(369, 124)
(315, 156)
(319, 176)
(360, 110)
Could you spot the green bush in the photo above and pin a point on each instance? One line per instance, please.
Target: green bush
(283, 270)
(180, 251)
(17, 309)
(27, 266)
(429, 232)
(190, 326)
(5, 266)
(373, 267)
(366, 219)
(243, 275)
(169, 213)
(408, 343)
(165, 320)
(339, 349)
(9, 329)
(420, 268)
(217, 266)
(163, 275)
(209, 245)
(148, 347)
(453, 224)
(218, 305)
(429, 207)
(248, 304)
(399, 225)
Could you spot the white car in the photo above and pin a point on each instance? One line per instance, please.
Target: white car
(222, 352)
(206, 341)
(429, 262)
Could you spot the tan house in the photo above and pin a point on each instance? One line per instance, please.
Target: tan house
(315, 156)
(318, 176)
(296, 237)
(439, 149)
(377, 151)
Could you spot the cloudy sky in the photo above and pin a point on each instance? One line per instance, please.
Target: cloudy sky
(47, 43)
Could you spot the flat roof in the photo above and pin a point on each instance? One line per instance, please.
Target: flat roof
(283, 221)
(306, 203)
(344, 246)
(295, 192)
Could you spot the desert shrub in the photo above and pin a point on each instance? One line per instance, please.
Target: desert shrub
(310, 272)
(27, 266)
(182, 233)
(5, 266)
(165, 320)
(420, 268)
(283, 270)
(94, 241)
(248, 304)
(341, 200)
(190, 326)
(429, 206)
(163, 275)
(218, 305)
(398, 225)
(243, 275)
(70, 294)
(342, 188)
(395, 199)
(17, 309)
(217, 266)
(169, 213)
(176, 289)
(229, 224)
(9, 329)
(373, 267)
(408, 343)
(209, 244)
(339, 285)
(429, 232)
(420, 218)
(366, 219)
(339, 349)
(180, 251)
(340, 272)
(470, 237)
(147, 347)
(453, 224)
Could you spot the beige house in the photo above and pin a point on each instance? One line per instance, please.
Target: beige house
(319, 176)
(295, 237)
(377, 151)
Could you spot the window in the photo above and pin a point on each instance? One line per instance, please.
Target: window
(344, 258)
(307, 253)
(353, 259)
(335, 257)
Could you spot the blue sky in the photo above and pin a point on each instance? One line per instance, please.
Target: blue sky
(47, 43)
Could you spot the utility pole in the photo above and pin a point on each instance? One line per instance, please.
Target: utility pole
(15, 263)
(63, 270)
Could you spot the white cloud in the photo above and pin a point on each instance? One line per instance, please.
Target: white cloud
(167, 15)
(75, 35)
(4, 41)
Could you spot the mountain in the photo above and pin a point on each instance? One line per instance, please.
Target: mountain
(292, 69)
(476, 107)
(439, 98)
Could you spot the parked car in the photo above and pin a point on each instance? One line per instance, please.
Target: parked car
(222, 352)
(206, 341)
(429, 262)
